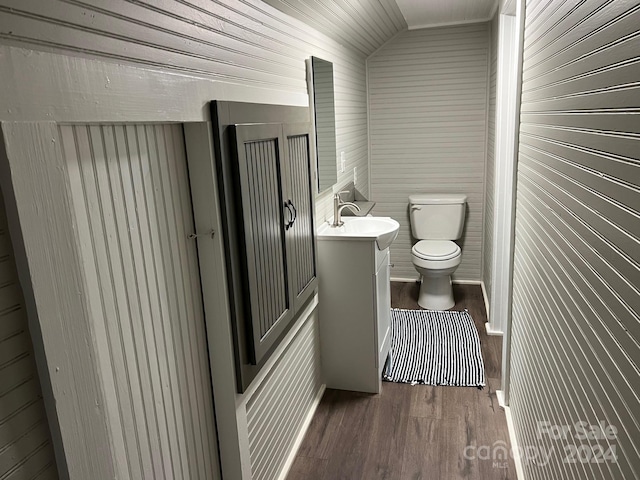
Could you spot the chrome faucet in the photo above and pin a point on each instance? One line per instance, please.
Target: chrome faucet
(338, 206)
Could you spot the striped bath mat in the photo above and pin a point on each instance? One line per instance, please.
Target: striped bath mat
(434, 348)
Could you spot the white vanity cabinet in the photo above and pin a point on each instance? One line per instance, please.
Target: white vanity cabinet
(355, 309)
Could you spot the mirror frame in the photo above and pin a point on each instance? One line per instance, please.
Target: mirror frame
(313, 113)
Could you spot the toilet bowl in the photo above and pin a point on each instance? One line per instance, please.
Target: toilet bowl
(435, 261)
(436, 220)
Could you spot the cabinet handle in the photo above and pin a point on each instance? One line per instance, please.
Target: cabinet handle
(288, 223)
(295, 212)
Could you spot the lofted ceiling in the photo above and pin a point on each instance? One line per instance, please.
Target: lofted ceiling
(362, 24)
(367, 24)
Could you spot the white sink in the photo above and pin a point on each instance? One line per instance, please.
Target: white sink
(383, 230)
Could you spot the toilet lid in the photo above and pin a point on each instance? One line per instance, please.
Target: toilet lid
(436, 249)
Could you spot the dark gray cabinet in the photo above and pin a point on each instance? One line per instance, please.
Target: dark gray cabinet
(301, 243)
(264, 160)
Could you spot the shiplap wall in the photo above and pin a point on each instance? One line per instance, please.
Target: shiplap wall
(108, 61)
(576, 298)
(25, 441)
(132, 206)
(489, 194)
(278, 409)
(234, 42)
(428, 116)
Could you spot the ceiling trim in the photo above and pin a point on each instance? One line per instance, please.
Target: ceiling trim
(451, 24)
(496, 10)
(372, 54)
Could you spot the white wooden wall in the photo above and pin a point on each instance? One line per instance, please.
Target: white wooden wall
(26, 451)
(489, 194)
(132, 206)
(113, 62)
(428, 118)
(252, 51)
(576, 299)
(278, 408)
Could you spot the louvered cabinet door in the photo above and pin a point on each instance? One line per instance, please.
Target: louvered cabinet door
(260, 156)
(301, 243)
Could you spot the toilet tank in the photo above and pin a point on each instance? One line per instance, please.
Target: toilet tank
(437, 216)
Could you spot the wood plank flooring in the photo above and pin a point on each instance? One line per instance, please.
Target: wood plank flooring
(411, 432)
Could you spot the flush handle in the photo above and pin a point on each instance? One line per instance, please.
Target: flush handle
(416, 207)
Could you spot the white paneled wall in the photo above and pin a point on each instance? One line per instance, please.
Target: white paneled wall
(143, 62)
(132, 206)
(25, 441)
(277, 410)
(576, 299)
(489, 195)
(244, 43)
(428, 118)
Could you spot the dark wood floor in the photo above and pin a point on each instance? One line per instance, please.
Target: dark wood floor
(411, 432)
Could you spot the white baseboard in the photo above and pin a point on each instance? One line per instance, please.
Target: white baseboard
(466, 282)
(486, 298)
(404, 280)
(517, 460)
(500, 397)
(491, 330)
(455, 282)
(305, 426)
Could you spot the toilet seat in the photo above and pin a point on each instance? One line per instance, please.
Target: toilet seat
(435, 250)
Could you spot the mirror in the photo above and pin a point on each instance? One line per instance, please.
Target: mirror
(325, 122)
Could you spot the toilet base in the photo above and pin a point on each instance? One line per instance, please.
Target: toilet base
(436, 293)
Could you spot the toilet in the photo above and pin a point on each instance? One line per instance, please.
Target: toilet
(436, 220)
